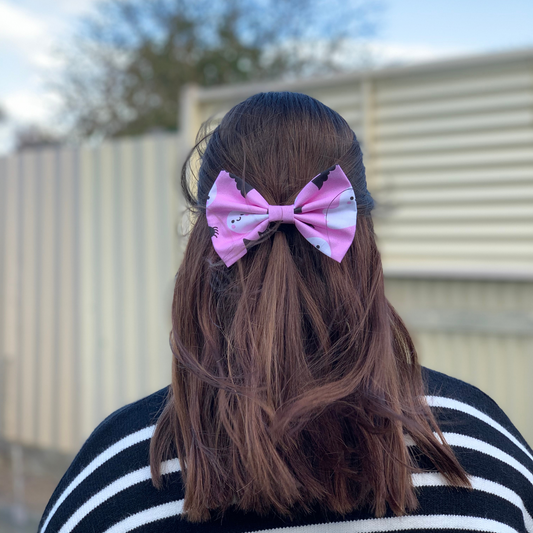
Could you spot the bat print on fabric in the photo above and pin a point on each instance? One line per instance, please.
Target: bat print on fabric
(242, 186)
(322, 177)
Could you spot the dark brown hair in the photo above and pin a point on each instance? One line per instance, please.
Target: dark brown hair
(294, 383)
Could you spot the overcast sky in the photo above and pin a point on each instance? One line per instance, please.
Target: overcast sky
(409, 30)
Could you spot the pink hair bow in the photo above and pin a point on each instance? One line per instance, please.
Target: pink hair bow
(324, 212)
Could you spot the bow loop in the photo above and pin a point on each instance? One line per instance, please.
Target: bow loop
(324, 212)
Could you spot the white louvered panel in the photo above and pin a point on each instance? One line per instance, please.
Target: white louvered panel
(497, 140)
(458, 159)
(341, 99)
(472, 231)
(499, 211)
(471, 104)
(458, 195)
(483, 250)
(450, 86)
(496, 119)
(453, 165)
(463, 176)
(460, 295)
(353, 117)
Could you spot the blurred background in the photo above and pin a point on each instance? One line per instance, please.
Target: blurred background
(101, 100)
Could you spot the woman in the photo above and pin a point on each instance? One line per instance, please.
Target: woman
(297, 398)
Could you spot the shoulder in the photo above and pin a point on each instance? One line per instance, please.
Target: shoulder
(120, 430)
(112, 465)
(447, 394)
(128, 420)
(486, 442)
(453, 400)
(439, 384)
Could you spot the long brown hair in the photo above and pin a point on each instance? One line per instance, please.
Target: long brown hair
(294, 382)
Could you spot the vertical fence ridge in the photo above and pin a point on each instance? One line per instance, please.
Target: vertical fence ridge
(86, 252)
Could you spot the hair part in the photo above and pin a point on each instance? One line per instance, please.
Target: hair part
(294, 380)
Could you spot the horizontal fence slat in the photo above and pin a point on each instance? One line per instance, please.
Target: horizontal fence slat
(489, 231)
(510, 156)
(494, 193)
(456, 212)
(448, 88)
(447, 249)
(494, 119)
(475, 104)
(458, 177)
(498, 140)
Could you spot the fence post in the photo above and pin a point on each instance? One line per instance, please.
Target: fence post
(189, 120)
(189, 123)
(368, 107)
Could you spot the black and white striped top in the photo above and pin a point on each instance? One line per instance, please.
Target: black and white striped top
(108, 488)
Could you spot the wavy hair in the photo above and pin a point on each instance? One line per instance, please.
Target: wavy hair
(294, 381)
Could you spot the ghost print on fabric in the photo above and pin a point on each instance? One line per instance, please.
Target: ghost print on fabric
(243, 222)
(324, 212)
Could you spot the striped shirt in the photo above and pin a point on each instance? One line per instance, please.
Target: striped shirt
(108, 488)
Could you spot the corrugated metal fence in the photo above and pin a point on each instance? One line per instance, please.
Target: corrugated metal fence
(90, 244)
(88, 256)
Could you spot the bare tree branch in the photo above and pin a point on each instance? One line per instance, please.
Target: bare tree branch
(127, 62)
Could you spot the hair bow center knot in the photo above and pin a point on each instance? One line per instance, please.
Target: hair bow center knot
(283, 213)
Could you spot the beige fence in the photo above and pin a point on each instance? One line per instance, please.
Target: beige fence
(88, 259)
(88, 242)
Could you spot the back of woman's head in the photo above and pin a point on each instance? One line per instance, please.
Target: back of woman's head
(294, 380)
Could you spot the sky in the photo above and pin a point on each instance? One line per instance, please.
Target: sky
(407, 31)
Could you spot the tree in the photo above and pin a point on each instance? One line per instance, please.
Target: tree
(123, 71)
(33, 136)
